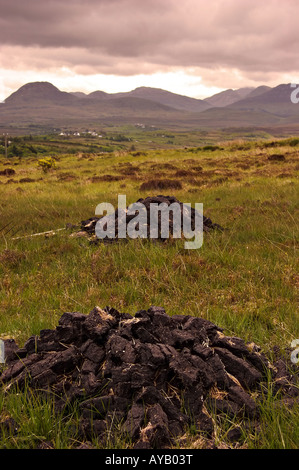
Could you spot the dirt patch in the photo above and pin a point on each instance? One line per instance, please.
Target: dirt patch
(285, 175)
(160, 184)
(11, 180)
(139, 154)
(277, 157)
(163, 166)
(196, 181)
(129, 171)
(110, 178)
(27, 180)
(243, 166)
(126, 169)
(190, 160)
(8, 172)
(66, 177)
(197, 168)
(151, 375)
(180, 173)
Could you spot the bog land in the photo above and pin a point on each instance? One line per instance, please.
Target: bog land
(243, 279)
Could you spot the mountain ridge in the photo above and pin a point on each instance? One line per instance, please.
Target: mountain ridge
(227, 97)
(47, 91)
(43, 104)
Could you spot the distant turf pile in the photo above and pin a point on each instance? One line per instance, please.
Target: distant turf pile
(189, 213)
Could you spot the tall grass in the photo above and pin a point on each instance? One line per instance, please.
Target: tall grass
(33, 422)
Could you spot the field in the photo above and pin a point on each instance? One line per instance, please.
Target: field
(244, 279)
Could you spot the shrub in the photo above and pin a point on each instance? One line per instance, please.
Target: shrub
(46, 164)
(294, 142)
(211, 148)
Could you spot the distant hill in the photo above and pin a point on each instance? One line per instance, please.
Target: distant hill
(39, 92)
(99, 95)
(227, 97)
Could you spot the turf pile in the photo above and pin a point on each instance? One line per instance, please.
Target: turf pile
(152, 375)
(187, 215)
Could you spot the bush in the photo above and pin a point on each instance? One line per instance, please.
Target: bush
(47, 164)
(294, 142)
(211, 148)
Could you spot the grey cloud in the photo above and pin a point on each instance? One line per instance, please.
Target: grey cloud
(106, 24)
(131, 36)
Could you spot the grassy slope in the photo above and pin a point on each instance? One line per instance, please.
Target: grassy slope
(245, 279)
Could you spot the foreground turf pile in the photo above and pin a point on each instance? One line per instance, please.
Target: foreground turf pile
(154, 374)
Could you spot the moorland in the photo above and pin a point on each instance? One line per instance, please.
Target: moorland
(244, 279)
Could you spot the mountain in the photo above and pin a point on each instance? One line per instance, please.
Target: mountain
(44, 91)
(41, 106)
(227, 97)
(39, 92)
(258, 91)
(157, 95)
(167, 98)
(275, 100)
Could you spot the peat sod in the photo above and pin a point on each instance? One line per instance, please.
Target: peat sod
(150, 376)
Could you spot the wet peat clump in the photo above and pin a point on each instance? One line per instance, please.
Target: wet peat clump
(88, 226)
(149, 376)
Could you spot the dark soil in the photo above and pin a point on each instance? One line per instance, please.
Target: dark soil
(277, 157)
(7, 172)
(160, 184)
(151, 375)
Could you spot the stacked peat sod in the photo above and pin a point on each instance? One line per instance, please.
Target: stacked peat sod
(88, 226)
(152, 373)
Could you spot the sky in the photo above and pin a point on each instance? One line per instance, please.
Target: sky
(190, 47)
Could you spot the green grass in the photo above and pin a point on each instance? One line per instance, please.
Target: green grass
(37, 422)
(245, 279)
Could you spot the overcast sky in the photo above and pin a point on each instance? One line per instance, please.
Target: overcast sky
(190, 47)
